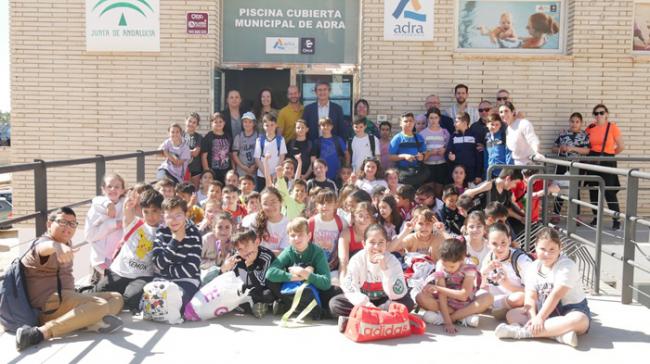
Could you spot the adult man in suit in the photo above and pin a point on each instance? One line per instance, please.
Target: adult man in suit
(323, 107)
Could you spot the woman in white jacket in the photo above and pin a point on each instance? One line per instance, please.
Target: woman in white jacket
(374, 278)
(521, 139)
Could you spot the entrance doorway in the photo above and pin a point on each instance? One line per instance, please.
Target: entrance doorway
(250, 81)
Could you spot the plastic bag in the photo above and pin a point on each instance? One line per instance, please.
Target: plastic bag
(220, 296)
(162, 301)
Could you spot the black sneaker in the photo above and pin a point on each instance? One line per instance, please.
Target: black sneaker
(593, 222)
(27, 336)
(316, 314)
(278, 308)
(616, 225)
(259, 310)
(111, 323)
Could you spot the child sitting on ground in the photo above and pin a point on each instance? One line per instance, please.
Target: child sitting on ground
(302, 261)
(555, 303)
(269, 223)
(231, 204)
(320, 177)
(132, 266)
(103, 227)
(350, 241)
(216, 244)
(426, 239)
(449, 214)
(253, 203)
(389, 216)
(214, 193)
(374, 278)
(177, 250)
(450, 293)
(405, 198)
(204, 184)
(326, 227)
(212, 208)
(475, 230)
(504, 270)
(250, 263)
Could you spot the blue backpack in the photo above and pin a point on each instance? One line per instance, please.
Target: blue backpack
(15, 309)
(278, 141)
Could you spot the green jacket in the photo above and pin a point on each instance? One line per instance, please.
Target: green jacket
(313, 256)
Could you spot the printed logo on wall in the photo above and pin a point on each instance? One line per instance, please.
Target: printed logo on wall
(408, 20)
(281, 45)
(123, 25)
(307, 45)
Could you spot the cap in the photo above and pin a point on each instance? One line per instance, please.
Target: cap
(248, 115)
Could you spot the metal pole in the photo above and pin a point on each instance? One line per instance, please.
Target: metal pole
(40, 197)
(574, 193)
(629, 236)
(599, 234)
(140, 166)
(100, 172)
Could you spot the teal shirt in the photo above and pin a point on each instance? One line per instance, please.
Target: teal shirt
(313, 256)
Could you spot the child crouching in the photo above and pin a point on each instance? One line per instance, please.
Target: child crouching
(374, 278)
(449, 295)
(250, 264)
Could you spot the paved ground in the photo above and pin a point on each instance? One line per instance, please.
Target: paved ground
(617, 331)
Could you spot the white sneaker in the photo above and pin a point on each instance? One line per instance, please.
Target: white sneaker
(432, 317)
(505, 331)
(569, 338)
(470, 321)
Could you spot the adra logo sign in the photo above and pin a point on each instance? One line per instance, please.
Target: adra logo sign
(408, 20)
(123, 25)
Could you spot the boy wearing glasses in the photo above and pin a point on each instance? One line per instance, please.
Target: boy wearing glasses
(50, 288)
(177, 249)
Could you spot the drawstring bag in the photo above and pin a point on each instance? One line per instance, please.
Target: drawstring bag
(162, 301)
(220, 296)
(372, 323)
(297, 289)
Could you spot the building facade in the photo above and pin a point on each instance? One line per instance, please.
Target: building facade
(70, 100)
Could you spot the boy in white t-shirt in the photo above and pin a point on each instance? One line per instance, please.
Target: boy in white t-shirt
(326, 226)
(270, 144)
(362, 145)
(132, 265)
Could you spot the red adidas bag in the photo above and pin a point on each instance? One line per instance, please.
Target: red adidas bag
(372, 323)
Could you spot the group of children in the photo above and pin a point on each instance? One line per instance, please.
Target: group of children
(353, 238)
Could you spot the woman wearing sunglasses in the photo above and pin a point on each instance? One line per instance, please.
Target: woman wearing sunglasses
(605, 140)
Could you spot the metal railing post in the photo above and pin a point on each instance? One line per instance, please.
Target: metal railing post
(599, 240)
(572, 209)
(140, 166)
(629, 236)
(40, 197)
(100, 172)
(544, 216)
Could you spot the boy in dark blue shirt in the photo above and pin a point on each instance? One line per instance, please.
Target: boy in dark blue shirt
(461, 149)
(495, 144)
(330, 148)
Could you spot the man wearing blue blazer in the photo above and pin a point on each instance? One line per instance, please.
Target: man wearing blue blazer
(323, 107)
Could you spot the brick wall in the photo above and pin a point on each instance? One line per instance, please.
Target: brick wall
(68, 103)
(598, 67)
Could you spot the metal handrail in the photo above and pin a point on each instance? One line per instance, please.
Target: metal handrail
(40, 167)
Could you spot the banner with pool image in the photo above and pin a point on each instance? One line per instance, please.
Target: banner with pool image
(641, 30)
(514, 26)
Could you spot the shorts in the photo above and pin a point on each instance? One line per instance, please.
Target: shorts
(582, 306)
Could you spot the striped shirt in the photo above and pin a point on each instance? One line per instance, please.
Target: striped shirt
(176, 260)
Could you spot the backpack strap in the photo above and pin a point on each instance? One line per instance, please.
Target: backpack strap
(126, 237)
(262, 141)
(278, 141)
(371, 139)
(602, 151)
(339, 222)
(514, 257)
(312, 227)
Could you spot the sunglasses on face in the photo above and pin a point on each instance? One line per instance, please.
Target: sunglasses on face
(502, 99)
(596, 113)
(484, 110)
